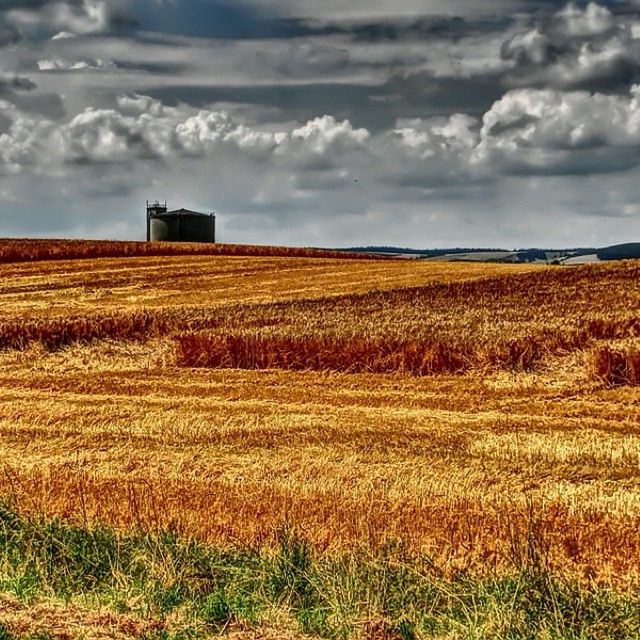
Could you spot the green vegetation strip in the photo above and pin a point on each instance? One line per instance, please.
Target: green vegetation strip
(185, 589)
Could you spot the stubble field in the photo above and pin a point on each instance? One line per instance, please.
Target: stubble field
(475, 419)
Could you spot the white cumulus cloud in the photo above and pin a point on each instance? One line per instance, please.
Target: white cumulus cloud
(545, 128)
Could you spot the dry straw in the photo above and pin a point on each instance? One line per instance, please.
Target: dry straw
(616, 365)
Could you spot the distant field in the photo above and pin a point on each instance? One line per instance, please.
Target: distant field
(471, 414)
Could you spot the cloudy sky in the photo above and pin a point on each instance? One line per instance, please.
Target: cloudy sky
(422, 123)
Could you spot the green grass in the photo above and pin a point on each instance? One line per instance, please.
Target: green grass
(194, 590)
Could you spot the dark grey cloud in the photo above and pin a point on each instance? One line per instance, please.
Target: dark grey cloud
(48, 105)
(498, 128)
(153, 68)
(11, 82)
(20, 91)
(594, 159)
(422, 28)
(376, 107)
(299, 102)
(9, 34)
(579, 47)
(5, 123)
(594, 51)
(427, 94)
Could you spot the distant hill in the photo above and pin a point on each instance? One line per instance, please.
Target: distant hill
(479, 254)
(421, 253)
(620, 252)
(573, 256)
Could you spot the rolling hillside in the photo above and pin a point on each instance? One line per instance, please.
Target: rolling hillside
(287, 447)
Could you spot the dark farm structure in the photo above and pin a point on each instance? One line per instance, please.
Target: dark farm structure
(179, 225)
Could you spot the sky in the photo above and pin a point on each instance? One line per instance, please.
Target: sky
(417, 123)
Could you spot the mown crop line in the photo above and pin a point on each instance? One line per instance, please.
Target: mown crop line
(54, 333)
(616, 365)
(348, 355)
(200, 343)
(419, 357)
(254, 351)
(28, 250)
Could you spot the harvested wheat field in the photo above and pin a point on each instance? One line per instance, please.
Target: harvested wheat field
(474, 421)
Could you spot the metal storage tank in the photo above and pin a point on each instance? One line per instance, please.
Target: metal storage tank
(180, 225)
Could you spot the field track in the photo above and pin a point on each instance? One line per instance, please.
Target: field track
(110, 424)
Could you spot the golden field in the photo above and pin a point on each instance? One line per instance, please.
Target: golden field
(453, 408)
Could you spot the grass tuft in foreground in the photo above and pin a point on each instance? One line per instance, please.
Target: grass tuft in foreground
(161, 587)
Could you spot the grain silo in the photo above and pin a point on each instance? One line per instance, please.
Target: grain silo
(179, 225)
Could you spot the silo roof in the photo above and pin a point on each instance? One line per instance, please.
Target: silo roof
(184, 212)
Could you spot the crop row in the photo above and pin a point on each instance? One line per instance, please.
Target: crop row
(616, 365)
(215, 350)
(507, 321)
(27, 250)
(59, 332)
